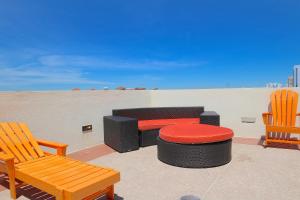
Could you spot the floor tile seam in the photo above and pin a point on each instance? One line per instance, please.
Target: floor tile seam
(215, 181)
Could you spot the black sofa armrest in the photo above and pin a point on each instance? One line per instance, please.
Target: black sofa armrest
(121, 133)
(210, 117)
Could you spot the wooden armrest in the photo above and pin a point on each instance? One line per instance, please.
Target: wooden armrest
(5, 157)
(60, 147)
(7, 162)
(51, 144)
(298, 114)
(267, 113)
(266, 117)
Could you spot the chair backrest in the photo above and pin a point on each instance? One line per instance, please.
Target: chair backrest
(284, 107)
(16, 140)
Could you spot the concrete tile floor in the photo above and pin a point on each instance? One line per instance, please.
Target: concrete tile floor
(254, 173)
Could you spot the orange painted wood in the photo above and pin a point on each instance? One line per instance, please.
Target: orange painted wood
(64, 173)
(38, 183)
(56, 167)
(11, 175)
(106, 191)
(111, 193)
(15, 140)
(85, 177)
(60, 148)
(15, 127)
(7, 166)
(80, 191)
(294, 108)
(58, 175)
(274, 108)
(284, 105)
(33, 142)
(38, 162)
(285, 141)
(266, 118)
(51, 175)
(87, 180)
(282, 129)
(10, 145)
(289, 108)
(5, 149)
(32, 162)
(43, 166)
(3, 167)
(278, 107)
(76, 178)
(51, 144)
(5, 157)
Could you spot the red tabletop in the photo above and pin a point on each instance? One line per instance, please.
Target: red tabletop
(195, 133)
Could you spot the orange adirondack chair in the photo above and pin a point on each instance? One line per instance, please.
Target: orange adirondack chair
(280, 123)
(22, 158)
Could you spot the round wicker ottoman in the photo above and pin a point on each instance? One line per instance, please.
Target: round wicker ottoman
(194, 145)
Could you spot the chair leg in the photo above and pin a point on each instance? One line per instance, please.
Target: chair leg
(266, 139)
(12, 181)
(110, 194)
(59, 195)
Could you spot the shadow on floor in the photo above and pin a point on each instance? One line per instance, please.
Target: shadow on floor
(189, 197)
(278, 145)
(33, 193)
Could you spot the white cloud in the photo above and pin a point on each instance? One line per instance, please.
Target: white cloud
(115, 63)
(37, 67)
(44, 75)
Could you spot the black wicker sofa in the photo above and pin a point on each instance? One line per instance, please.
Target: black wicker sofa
(128, 129)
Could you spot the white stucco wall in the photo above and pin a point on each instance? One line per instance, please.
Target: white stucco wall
(59, 116)
(231, 104)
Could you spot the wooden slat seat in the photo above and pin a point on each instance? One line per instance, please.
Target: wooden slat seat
(67, 175)
(65, 178)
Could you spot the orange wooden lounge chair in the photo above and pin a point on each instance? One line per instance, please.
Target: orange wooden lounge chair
(280, 122)
(22, 158)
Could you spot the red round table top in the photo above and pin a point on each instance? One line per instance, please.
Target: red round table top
(194, 133)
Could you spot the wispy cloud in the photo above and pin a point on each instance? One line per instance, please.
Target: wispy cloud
(115, 63)
(37, 67)
(43, 75)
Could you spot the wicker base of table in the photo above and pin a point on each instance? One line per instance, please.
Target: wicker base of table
(194, 155)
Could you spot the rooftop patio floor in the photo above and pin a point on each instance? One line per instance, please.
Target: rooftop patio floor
(254, 173)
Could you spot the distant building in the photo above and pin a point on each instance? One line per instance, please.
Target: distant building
(121, 88)
(296, 75)
(139, 88)
(290, 82)
(274, 85)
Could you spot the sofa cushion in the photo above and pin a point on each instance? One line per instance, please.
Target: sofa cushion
(145, 125)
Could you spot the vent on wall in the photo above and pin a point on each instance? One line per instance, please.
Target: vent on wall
(248, 119)
(87, 128)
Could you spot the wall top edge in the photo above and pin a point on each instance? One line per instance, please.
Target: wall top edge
(124, 91)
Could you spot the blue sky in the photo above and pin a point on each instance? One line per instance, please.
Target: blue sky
(53, 45)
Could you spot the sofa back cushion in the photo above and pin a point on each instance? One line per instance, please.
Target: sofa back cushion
(144, 125)
(160, 112)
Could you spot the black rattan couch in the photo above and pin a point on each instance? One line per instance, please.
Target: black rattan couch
(121, 130)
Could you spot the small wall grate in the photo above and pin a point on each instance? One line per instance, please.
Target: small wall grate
(248, 119)
(87, 128)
